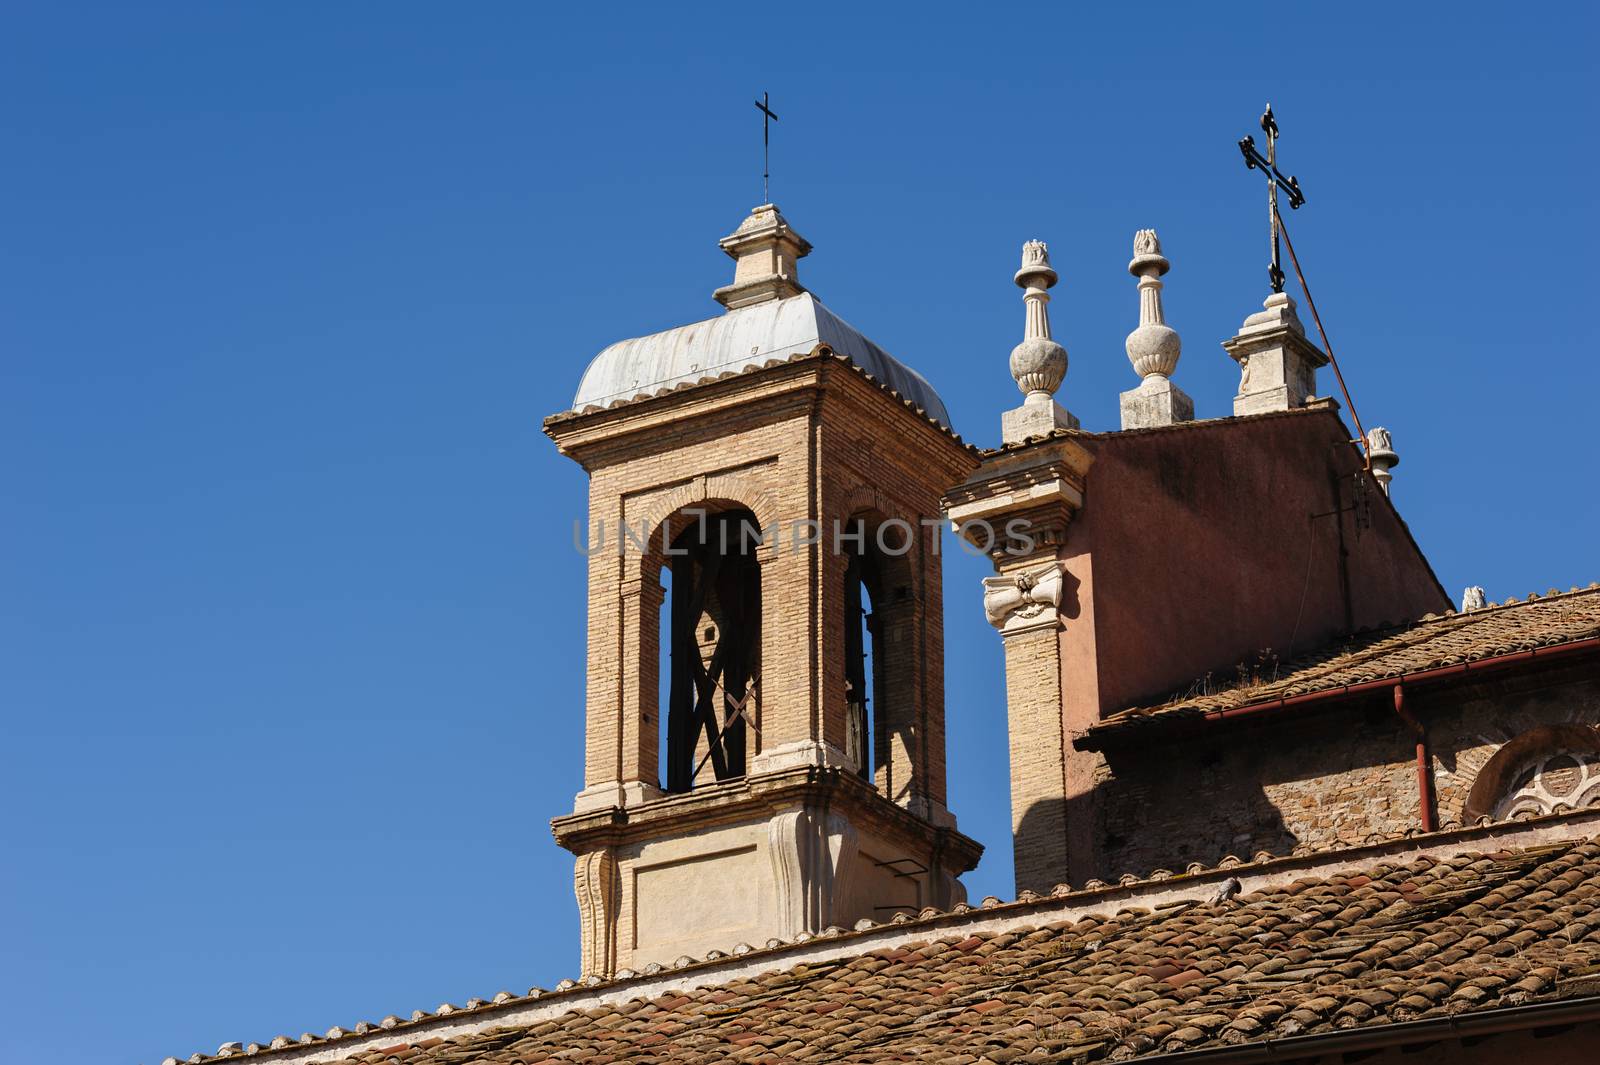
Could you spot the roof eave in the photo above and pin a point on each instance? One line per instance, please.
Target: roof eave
(1466, 1025)
(1100, 736)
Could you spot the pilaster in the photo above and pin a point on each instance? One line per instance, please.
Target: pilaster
(597, 886)
(1028, 497)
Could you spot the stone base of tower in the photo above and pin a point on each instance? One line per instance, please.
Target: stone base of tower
(766, 857)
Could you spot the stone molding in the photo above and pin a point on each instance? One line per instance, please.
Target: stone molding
(763, 794)
(1042, 485)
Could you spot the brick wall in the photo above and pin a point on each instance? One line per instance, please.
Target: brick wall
(1335, 776)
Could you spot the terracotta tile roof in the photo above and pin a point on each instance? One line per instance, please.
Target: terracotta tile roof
(1434, 641)
(1388, 942)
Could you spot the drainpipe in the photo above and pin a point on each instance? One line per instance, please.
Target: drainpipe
(1425, 798)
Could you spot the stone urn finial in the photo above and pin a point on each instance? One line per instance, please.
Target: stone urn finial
(1038, 363)
(1153, 347)
(1382, 456)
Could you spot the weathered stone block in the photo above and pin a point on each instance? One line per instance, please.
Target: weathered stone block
(1039, 415)
(1157, 401)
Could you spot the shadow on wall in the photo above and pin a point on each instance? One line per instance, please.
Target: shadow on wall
(1199, 798)
(1141, 833)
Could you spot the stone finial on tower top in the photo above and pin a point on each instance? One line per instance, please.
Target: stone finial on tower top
(1154, 346)
(765, 250)
(1038, 364)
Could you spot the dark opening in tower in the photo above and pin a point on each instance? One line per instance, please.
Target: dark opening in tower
(863, 665)
(714, 626)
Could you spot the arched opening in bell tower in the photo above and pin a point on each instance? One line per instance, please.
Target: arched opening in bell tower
(863, 679)
(712, 621)
(879, 662)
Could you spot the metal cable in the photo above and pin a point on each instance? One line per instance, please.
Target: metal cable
(1327, 347)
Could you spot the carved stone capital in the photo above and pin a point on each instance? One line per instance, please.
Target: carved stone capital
(1014, 602)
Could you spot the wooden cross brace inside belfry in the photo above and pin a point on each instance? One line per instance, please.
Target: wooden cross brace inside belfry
(1253, 160)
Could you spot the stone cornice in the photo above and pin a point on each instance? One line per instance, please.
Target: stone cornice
(756, 798)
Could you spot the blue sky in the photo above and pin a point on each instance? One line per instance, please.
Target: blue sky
(293, 645)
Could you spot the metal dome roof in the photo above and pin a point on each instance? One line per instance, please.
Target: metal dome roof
(744, 339)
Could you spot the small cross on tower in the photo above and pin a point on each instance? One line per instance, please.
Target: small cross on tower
(767, 118)
(1275, 181)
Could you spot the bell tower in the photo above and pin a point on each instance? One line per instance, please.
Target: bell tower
(765, 705)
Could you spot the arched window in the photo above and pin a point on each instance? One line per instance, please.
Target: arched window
(1539, 770)
(713, 612)
(879, 662)
(1570, 778)
(863, 675)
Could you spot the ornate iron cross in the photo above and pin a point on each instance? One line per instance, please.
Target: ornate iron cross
(767, 118)
(1275, 181)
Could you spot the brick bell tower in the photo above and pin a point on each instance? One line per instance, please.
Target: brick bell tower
(765, 695)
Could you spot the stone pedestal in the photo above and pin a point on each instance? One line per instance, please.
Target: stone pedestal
(765, 249)
(1039, 415)
(1277, 364)
(1157, 401)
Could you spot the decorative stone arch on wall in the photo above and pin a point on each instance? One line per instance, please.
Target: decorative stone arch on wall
(1537, 771)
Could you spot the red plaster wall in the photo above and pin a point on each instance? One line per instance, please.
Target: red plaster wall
(1202, 543)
